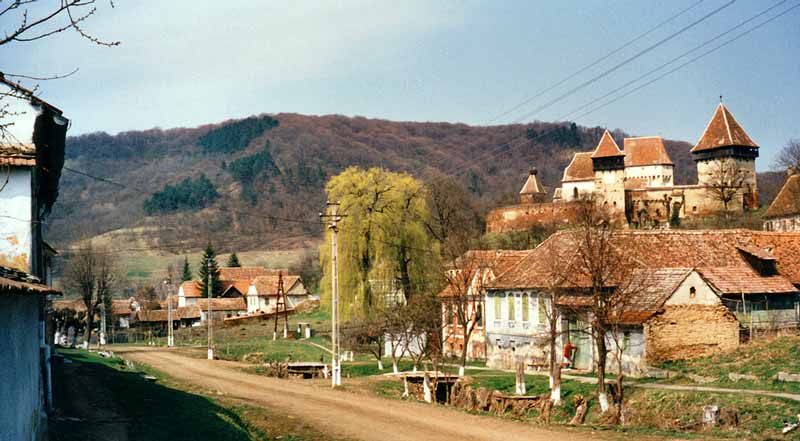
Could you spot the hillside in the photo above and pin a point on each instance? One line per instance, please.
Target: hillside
(258, 183)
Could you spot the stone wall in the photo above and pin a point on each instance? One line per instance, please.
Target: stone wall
(525, 216)
(20, 371)
(690, 331)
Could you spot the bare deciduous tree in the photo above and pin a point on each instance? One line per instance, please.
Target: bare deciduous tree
(602, 270)
(91, 273)
(25, 21)
(789, 155)
(726, 179)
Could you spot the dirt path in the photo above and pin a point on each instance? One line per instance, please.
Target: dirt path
(341, 413)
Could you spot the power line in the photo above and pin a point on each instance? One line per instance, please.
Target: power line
(626, 61)
(510, 144)
(615, 67)
(595, 62)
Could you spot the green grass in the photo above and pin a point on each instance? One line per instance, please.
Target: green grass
(762, 358)
(151, 410)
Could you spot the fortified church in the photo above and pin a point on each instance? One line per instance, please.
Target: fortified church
(636, 185)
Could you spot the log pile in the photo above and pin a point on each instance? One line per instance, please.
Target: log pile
(464, 396)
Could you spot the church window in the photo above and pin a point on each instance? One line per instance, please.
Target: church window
(575, 192)
(692, 292)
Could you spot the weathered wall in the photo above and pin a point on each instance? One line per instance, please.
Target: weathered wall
(783, 224)
(20, 388)
(690, 331)
(585, 190)
(703, 294)
(654, 175)
(523, 217)
(15, 219)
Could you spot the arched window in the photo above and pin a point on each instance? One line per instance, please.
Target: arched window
(525, 308)
(498, 308)
(575, 192)
(479, 316)
(512, 314)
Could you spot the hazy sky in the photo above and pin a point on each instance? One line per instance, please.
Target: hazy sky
(190, 62)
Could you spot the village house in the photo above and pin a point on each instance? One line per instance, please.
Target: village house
(245, 290)
(262, 295)
(784, 212)
(636, 183)
(703, 289)
(465, 289)
(30, 171)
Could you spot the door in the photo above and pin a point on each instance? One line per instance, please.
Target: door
(580, 337)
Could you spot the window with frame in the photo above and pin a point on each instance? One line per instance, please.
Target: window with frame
(498, 308)
(479, 316)
(525, 308)
(512, 313)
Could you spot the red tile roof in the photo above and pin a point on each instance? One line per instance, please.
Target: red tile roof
(741, 280)
(246, 272)
(787, 203)
(580, 168)
(223, 304)
(492, 262)
(607, 147)
(268, 285)
(532, 185)
(191, 289)
(18, 154)
(648, 150)
(663, 249)
(14, 281)
(722, 131)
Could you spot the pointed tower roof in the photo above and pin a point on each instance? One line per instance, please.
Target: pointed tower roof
(607, 147)
(723, 131)
(532, 185)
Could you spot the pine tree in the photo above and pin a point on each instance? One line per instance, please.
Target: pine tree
(187, 270)
(209, 267)
(233, 261)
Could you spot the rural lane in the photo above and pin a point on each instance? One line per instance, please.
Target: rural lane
(341, 413)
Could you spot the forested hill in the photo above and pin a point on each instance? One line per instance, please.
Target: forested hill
(247, 183)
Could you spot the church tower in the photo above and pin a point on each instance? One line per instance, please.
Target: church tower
(608, 163)
(725, 155)
(533, 192)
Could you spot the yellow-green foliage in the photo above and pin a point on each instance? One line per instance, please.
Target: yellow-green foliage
(381, 239)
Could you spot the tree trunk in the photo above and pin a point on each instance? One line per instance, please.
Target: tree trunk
(89, 324)
(600, 344)
(555, 368)
(380, 364)
(394, 366)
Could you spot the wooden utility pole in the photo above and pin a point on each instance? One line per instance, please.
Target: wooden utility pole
(170, 337)
(210, 317)
(280, 301)
(336, 377)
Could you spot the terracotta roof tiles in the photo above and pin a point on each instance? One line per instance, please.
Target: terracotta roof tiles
(607, 147)
(723, 131)
(787, 203)
(580, 168)
(645, 151)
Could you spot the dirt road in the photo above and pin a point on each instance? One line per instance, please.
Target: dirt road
(341, 413)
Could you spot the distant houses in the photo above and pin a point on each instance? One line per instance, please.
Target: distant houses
(245, 291)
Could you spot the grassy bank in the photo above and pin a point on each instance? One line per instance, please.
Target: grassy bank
(761, 358)
(117, 400)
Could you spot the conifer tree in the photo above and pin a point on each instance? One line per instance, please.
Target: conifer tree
(187, 270)
(233, 261)
(209, 267)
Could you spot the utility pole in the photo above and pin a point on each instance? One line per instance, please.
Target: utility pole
(280, 300)
(170, 338)
(336, 374)
(210, 317)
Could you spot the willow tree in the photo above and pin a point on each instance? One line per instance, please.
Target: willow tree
(385, 252)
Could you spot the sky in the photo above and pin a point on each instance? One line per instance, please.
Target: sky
(183, 63)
